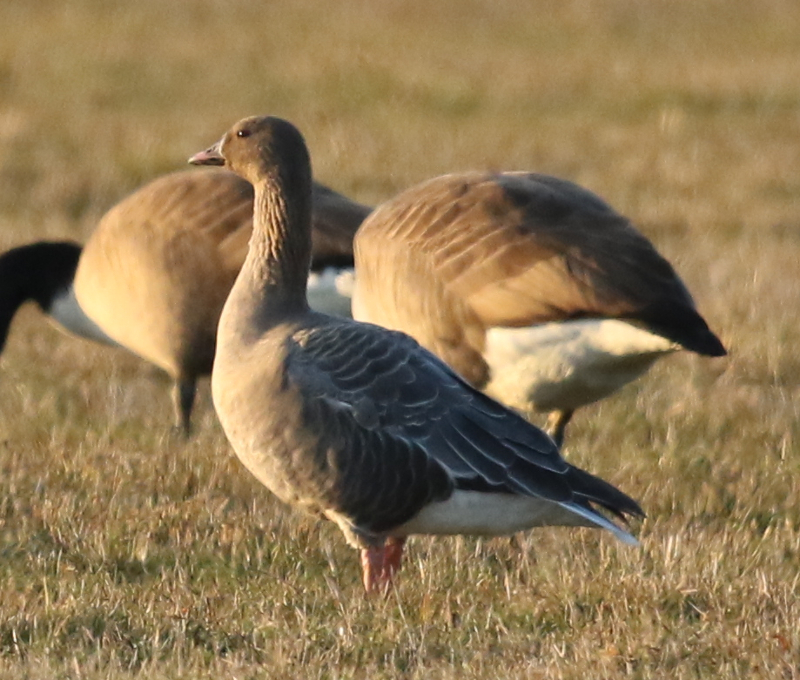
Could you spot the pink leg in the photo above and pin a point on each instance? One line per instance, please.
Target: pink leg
(372, 567)
(392, 557)
(379, 564)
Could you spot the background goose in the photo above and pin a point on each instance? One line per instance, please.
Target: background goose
(475, 265)
(358, 423)
(43, 273)
(155, 273)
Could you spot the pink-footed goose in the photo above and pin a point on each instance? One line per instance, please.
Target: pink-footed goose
(358, 423)
(155, 273)
(475, 265)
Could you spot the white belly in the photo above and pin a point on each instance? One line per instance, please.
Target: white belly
(496, 514)
(330, 290)
(488, 514)
(65, 310)
(566, 365)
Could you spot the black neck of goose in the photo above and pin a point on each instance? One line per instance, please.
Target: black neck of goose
(336, 219)
(35, 272)
(280, 247)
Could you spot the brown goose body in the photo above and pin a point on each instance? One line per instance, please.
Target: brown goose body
(154, 275)
(156, 271)
(358, 423)
(529, 286)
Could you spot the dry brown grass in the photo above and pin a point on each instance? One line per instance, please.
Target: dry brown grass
(127, 553)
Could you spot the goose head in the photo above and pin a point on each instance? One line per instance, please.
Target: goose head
(271, 154)
(258, 148)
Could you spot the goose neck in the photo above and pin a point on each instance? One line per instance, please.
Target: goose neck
(279, 256)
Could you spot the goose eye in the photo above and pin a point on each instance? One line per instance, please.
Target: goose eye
(243, 133)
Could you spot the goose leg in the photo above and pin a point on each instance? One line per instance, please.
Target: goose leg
(557, 423)
(379, 564)
(392, 557)
(183, 393)
(371, 567)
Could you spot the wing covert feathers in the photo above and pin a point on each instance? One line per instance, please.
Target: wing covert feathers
(397, 429)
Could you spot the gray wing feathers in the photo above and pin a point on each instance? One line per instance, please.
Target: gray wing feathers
(409, 430)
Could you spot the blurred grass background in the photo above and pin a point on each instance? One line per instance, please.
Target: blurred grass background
(125, 552)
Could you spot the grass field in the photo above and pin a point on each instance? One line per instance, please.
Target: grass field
(127, 553)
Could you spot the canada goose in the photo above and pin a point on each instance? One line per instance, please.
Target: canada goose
(358, 423)
(43, 272)
(475, 265)
(155, 273)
